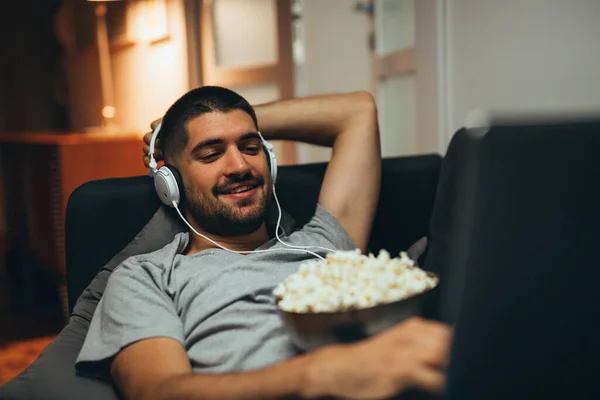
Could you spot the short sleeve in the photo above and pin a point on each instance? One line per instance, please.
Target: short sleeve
(325, 230)
(135, 306)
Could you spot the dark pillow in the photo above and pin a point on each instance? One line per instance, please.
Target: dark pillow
(452, 216)
(417, 250)
(52, 375)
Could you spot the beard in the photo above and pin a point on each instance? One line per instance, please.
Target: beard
(224, 219)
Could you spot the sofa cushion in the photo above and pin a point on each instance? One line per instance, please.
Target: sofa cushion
(451, 220)
(157, 233)
(52, 375)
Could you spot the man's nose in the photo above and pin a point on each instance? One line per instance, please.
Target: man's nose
(236, 163)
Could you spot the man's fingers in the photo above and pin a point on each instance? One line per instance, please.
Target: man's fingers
(437, 356)
(436, 345)
(155, 123)
(147, 140)
(148, 137)
(157, 151)
(146, 146)
(441, 334)
(428, 379)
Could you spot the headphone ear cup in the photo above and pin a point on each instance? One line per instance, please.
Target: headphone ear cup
(179, 181)
(271, 160)
(169, 185)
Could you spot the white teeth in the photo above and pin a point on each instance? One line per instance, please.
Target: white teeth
(241, 189)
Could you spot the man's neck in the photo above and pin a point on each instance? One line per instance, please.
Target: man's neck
(247, 242)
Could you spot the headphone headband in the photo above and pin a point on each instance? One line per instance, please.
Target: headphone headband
(152, 167)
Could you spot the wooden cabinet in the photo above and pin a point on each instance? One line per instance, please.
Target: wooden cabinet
(41, 169)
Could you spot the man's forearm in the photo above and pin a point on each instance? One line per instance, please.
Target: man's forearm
(282, 381)
(316, 119)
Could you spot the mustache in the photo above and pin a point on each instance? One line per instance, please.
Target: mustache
(248, 178)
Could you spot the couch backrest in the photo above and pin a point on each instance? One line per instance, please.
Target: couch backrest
(450, 233)
(104, 216)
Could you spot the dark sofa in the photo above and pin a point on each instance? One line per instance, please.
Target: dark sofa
(109, 220)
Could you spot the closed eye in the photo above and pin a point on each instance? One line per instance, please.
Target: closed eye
(210, 157)
(250, 149)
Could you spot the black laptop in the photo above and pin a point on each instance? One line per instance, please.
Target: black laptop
(525, 297)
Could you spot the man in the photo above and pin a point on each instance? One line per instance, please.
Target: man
(193, 321)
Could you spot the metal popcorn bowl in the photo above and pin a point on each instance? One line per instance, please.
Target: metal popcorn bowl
(309, 331)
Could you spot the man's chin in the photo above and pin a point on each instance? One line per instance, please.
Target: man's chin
(231, 216)
(248, 215)
(242, 225)
(246, 211)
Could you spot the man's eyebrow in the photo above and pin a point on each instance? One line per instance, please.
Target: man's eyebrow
(249, 136)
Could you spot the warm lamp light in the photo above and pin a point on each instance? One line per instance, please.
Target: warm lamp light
(109, 112)
(108, 106)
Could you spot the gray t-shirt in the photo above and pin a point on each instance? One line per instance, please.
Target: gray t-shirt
(217, 304)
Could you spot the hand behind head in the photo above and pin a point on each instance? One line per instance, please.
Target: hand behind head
(155, 123)
(158, 156)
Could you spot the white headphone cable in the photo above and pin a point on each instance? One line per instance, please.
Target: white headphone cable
(235, 251)
(277, 230)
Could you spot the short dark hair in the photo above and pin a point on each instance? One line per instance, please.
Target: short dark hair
(173, 132)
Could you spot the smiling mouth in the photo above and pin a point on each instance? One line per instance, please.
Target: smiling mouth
(240, 189)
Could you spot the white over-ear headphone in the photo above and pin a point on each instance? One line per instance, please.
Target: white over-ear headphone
(168, 182)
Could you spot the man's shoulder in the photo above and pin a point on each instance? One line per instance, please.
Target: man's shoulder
(324, 218)
(154, 262)
(325, 230)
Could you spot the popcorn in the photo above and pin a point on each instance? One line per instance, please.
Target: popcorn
(349, 280)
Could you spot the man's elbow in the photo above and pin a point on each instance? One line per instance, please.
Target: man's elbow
(150, 388)
(366, 102)
(161, 389)
(365, 112)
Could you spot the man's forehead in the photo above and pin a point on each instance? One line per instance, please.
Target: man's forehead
(222, 125)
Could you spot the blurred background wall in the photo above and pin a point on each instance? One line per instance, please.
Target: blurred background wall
(510, 56)
(538, 56)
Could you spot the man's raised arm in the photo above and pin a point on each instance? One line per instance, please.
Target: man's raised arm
(348, 123)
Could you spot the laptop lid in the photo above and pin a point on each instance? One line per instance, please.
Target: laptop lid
(527, 321)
